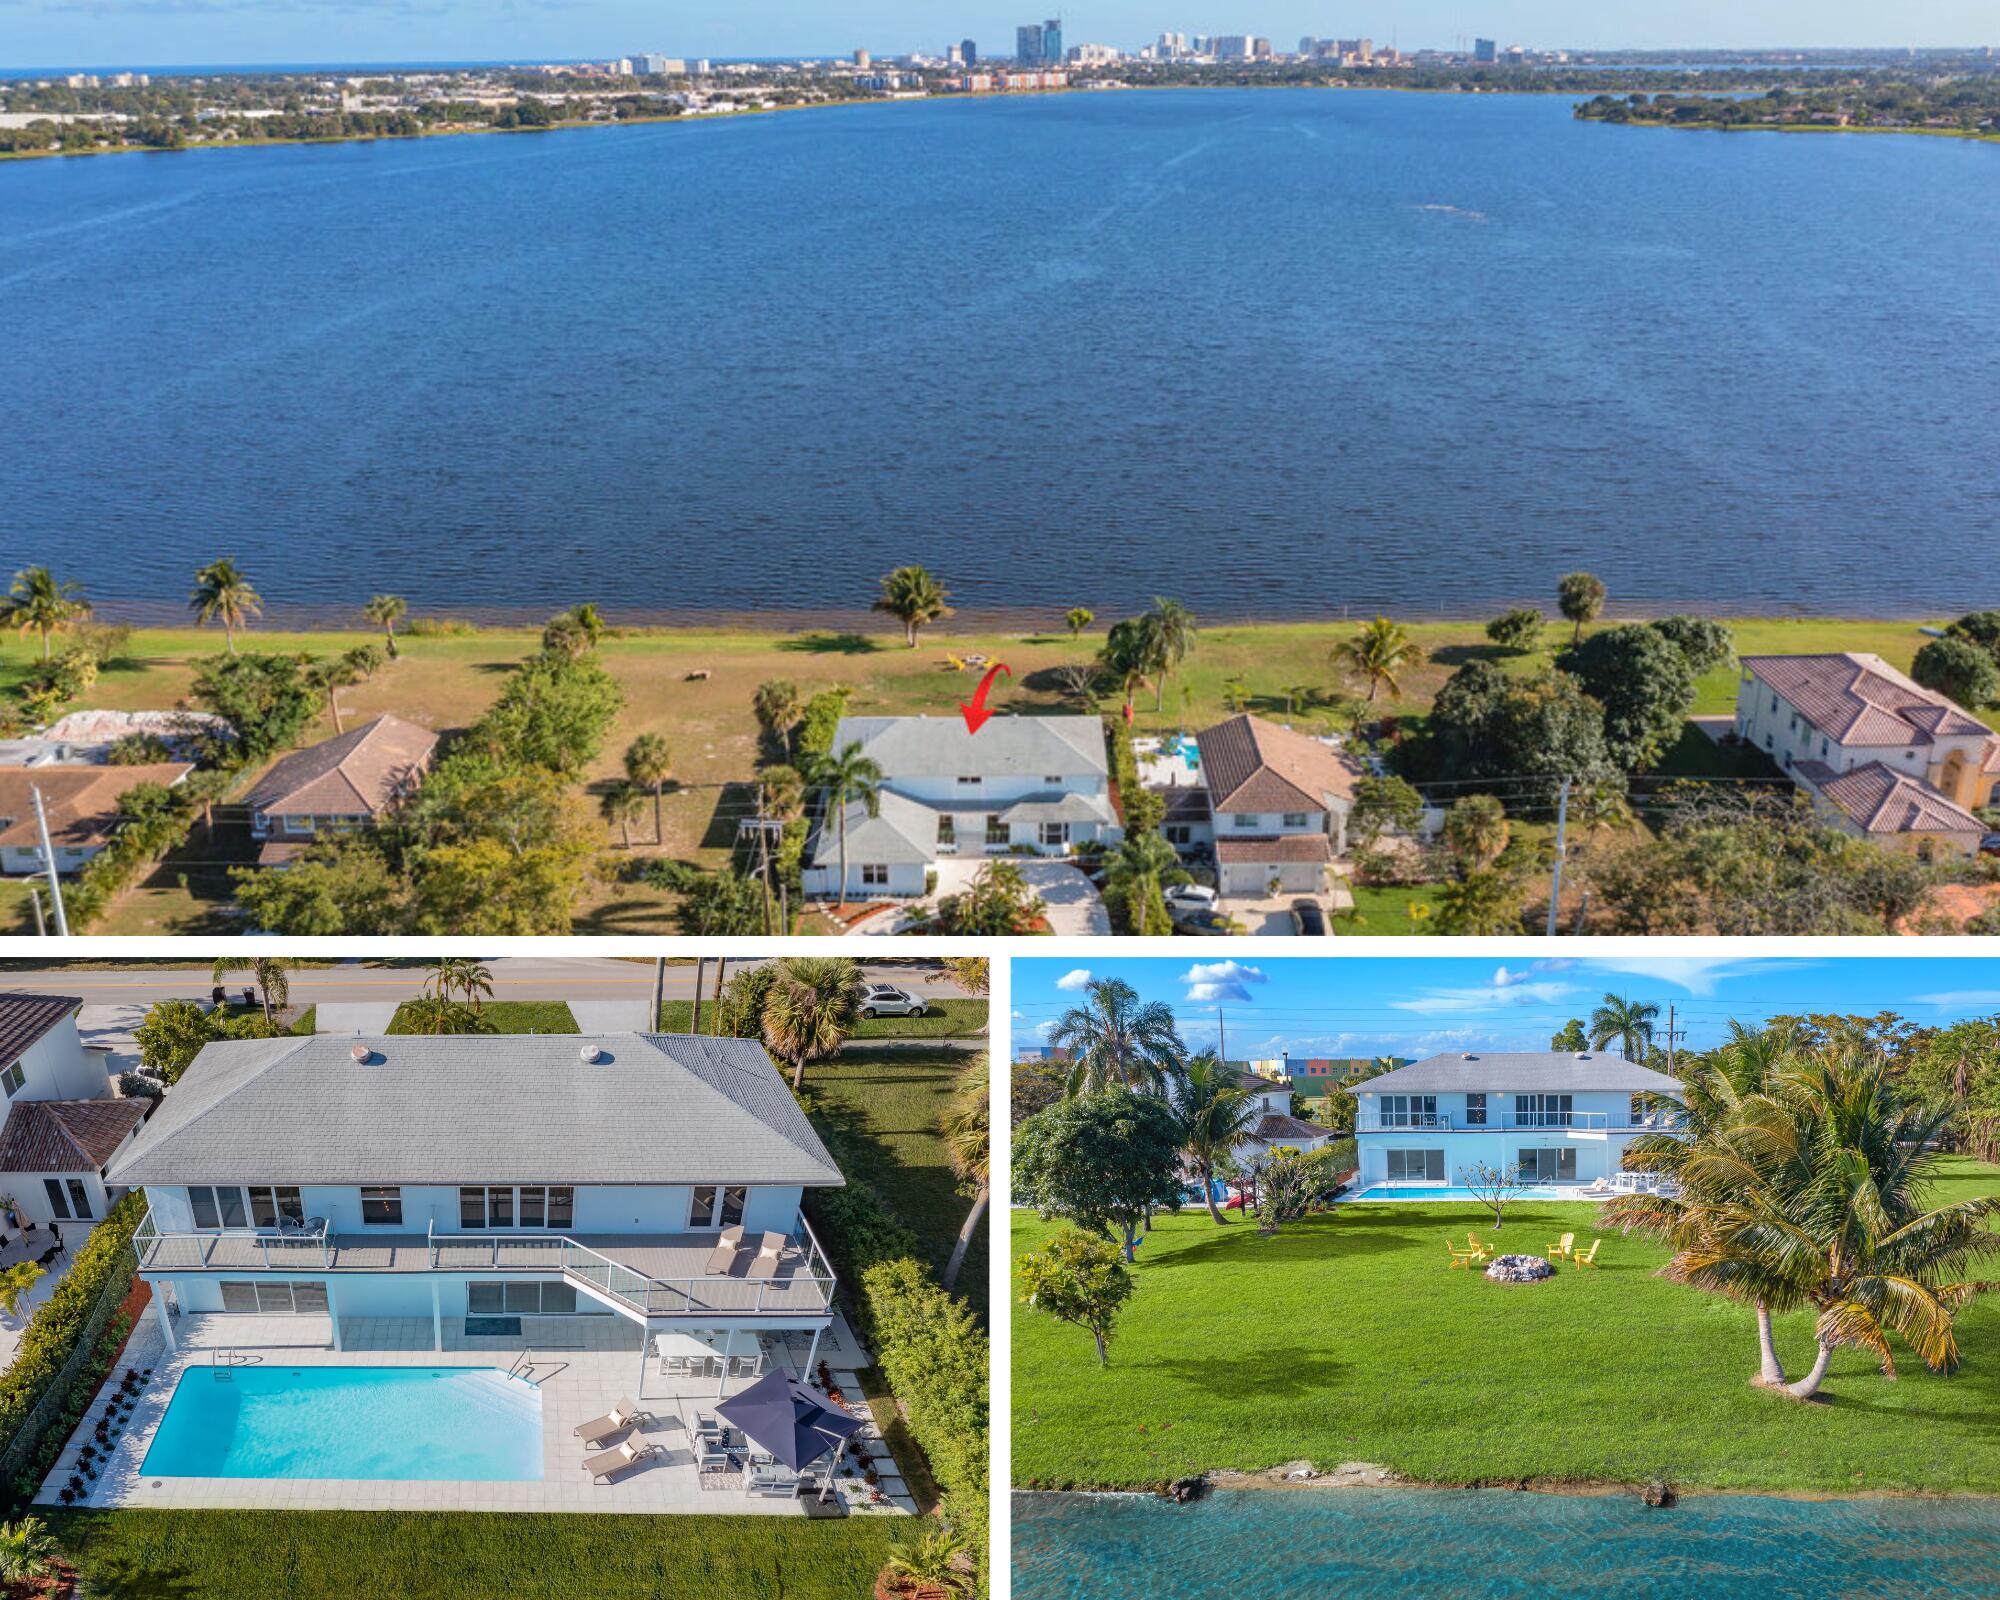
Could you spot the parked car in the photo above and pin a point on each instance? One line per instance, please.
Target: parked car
(1990, 845)
(884, 1000)
(1202, 924)
(1195, 896)
(1308, 919)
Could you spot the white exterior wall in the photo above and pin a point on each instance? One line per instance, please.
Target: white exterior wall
(996, 793)
(33, 1199)
(1253, 878)
(1770, 722)
(18, 861)
(1267, 824)
(906, 881)
(57, 1067)
(1598, 1155)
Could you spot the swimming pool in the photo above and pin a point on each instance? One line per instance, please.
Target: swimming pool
(1446, 1191)
(400, 1423)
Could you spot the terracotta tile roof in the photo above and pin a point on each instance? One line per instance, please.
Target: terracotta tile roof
(1992, 761)
(1861, 699)
(1253, 765)
(24, 1018)
(1883, 801)
(1286, 847)
(1275, 1129)
(358, 774)
(66, 1135)
(82, 802)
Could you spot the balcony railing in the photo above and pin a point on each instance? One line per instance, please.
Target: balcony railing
(1510, 1121)
(276, 1249)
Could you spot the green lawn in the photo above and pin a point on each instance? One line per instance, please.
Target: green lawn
(1384, 909)
(342, 1555)
(509, 1016)
(890, 1102)
(945, 1019)
(1347, 1338)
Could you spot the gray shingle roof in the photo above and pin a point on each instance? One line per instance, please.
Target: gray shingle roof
(1061, 808)
(1006, 747)
(508, 1108)
(1523, 1071)
(902, 830)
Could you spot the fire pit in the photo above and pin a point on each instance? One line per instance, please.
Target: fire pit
(1519, 1269)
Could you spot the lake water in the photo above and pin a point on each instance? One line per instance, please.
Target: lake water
(1277, 352)
(1488, 1544)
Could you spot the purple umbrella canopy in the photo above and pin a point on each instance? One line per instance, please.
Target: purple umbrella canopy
(795, 1423)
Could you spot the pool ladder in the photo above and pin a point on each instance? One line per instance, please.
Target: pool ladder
(523, 1367)
(222, 1364)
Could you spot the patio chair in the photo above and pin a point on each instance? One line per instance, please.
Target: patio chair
(614, 1463)
(768, 1477)
(1459, 1257)
(1565, 1246)
(723, 1257)
(626, 1414)
(769, 1253)
(1475, 1249)
(1587, 1258)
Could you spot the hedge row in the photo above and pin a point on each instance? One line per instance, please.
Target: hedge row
(931, 1351)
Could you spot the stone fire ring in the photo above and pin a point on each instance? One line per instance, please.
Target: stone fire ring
(1519, 1269)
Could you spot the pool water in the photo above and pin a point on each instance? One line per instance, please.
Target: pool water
(1486, 1544)
(400, 1423)
(1440, 1191)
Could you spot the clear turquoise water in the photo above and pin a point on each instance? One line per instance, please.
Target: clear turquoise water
(1449, 1192)
(458, 1423)
(1494, 1544)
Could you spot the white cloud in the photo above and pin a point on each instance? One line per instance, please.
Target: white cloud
(1960, 999)
(1221, 980)
(1520, 992)
(1505, 979)
(1046, 1028)
(1698, 975)
(1074, 980)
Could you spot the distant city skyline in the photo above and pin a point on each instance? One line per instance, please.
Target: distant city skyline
(52, 33)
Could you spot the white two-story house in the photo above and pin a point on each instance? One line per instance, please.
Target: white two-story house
(1276, 1126)
(1278, 803)
(64, 1125)
(1018, 786)
(1882, 757)
(512, 1188)
(1558, 1118)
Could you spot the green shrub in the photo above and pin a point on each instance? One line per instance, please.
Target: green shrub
(822, 717)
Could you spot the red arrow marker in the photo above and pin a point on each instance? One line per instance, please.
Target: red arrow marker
(976, 713)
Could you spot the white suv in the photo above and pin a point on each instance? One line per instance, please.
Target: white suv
(881, 1000)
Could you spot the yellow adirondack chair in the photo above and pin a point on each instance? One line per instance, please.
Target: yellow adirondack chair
(954, 663)
(1459, 1258)
(1474, 1248)
(1587, 1258)
(1565, 1246)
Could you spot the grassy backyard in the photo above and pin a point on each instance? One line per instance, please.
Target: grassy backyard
(445, 681)
(508, 1016)
(337, 1555)
(946, 1019)
(1347, 1338)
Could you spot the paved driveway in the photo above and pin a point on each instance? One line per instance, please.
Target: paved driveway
(1072, 905)
(1272, 918)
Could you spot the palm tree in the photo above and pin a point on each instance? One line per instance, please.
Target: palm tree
(811, 1009)
(1141, 866)
(39, 604)
(965, 1126)
(1127, 656)
(220, 590)
(648, 764)
(269, 973)
(777, 706)
(16, 1284)
(1580, 597)
(1217, 1113)
(1378, 653)
(1172, 629)
(387, 610)
(846, 776)
(1298, 694)
(914, 598)
(331, 676)
(463, 975)
(936, 1562)
(27, 1550)
(1628, 1022)
(1115, 1039)
(621, 804)
(1476, 830)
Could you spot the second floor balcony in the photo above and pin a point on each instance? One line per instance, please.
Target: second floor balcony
(1497, 1121)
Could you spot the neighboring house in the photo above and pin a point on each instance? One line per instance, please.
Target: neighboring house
(1020, 786)
(63, 1126)
(495, 1182)
(1276, 1126)
(82, 808)
(1881, 756)
(1337, 1070)
(86, 738)
(1279, 802)
(1560, 1118)
(344, 783)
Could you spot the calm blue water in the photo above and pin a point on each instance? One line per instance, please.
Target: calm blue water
(459, 1423)
(1277, 352)
(1493, 1543)
(1438, 1191)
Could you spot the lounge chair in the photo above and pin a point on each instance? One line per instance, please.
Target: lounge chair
(1565, 1246)
(626, 1414)
(614, 1463)
(1475, 1249)
(723, 1257)
(769, 1253)
(1586, 1258)
(1459, 1257)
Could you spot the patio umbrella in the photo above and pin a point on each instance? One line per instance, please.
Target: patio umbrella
(796, 1424)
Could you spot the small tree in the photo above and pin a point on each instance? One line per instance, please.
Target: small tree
(16, 1284)
(1103, 1161)
(648, 764)
(1383, 805)
(1080, 1279)
(776, 704)
(1077, 618)
(1572, 1040)
(1519, 630)
(1493, 1187)
(1288, 1182)
(171, 1035)
(27, 1550)
(1580, 597)
(915, 599)
(1476, 831)
(386, 610)
(998, 903)
(1959, 670)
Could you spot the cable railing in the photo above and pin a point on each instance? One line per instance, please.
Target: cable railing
(1514, 1121)
(301, 1246)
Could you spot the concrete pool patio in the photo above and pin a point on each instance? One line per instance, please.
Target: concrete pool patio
(581, 1373)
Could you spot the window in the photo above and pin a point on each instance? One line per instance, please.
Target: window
(996, 830)
(533, 1208)
(1055, 777)
(382, 1208)
(218, 1207)
(12, 1079)
(1243, 820)
(1409, 1111)
(1054, 835)
(947, 829)
(1416, 1166)
(717, 1208)
(202, 1203)
(562, 1205)
(234, 1213)
(239, 1296)
(1297, 819)
(79, 1197)
(58, 1203)
(874, 875)
(1548, 1166)
(1542, 1111)
(1475, 1111)
(1178, 833)
(472, 1208)
(270, 1295)
(268, 1203)
(500, 1208)
(968, 783)
(523, 1298)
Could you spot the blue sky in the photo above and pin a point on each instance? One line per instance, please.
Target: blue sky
(177, 32)
(1364, 1006)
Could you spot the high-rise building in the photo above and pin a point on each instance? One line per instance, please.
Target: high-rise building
(1260, 49)
(1485, 50)
(971, 49)
(954, 55)
(862, 59)
(1052, 42)
(1231, 46)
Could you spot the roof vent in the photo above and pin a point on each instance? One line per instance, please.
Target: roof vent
(362, 1054)
(591, 1055)
(1583, 1055)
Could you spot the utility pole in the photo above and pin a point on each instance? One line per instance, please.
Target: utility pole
(715, 1016)
(49, 861)
(1221, 1037)
(659, 993)
(1562, 843)
(700, 973)
(35, 900)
